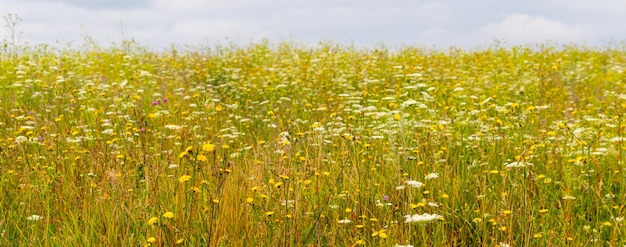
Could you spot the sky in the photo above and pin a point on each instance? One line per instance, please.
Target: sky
(445, 23)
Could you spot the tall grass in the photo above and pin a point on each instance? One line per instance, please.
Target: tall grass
(327, 145)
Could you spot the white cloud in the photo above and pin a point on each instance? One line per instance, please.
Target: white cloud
(441, 23)
(99, 4)
(526, 29)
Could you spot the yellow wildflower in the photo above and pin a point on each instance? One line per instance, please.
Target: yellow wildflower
(183, 153)
(208, 147)
(152, 220)
(168, 215)
(201, 157)
(184, 178)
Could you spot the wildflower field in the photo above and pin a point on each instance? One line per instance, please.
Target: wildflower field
(283, 144)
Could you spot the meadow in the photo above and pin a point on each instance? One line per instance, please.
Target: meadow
(285, 144)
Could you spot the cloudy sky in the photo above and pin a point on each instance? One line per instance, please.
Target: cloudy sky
(443, 23)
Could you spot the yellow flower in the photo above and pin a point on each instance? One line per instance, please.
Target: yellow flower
(380, 234)
(184, 178)
(183, 153)
(151, 240)
(201, 157)
(208, 147)
(168, 215)
(152, 220)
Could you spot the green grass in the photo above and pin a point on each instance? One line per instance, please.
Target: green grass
(292, 145)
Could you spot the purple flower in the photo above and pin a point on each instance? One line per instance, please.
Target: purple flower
(386, 197)
(164, 100)
(155, 102)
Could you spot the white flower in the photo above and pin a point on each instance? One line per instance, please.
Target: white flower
(408, 103)
(401, 187)
(518, 164)
(380, 204)
(20, 139)
(143, 73)
(414, 184)
(617, 139)
(569, 198)
(408, 245)
(426, 217)
(34, 217)
(172, 166)
(288, 203)
(344, 221)
(172, 127)
(577, 131)
(474, 138)
(432, 176)
(504, 244)
(73, 140)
